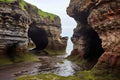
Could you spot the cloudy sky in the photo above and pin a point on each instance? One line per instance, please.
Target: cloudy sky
(56, 7)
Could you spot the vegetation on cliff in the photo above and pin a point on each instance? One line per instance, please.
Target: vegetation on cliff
(22, 4)
(8, 1)
(46, 14)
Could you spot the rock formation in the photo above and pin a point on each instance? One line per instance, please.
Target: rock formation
(38, 36)
(51, 24)
(15, 19)
(13, 26)
(98, 23)
(87, 43)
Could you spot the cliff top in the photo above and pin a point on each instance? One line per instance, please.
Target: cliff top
(34, 13)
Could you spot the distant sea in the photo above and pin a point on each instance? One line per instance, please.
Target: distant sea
(68, 32)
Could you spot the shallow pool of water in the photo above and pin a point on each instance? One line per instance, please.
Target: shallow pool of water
(54, 64)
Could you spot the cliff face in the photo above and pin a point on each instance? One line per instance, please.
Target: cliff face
(87, 43)
(51, 24)
(13, 27)
(16, 17)
(105, 19)
(98, 27)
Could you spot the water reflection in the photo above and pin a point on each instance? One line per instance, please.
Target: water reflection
(55, 64)
(67, 68)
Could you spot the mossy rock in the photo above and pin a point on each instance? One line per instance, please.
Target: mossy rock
(22, 4)
(4, 60)
(43, 14)
(49, 76)
(55, 52)
(82, 75)
(94, 74)
(7, 1)
(23, 57)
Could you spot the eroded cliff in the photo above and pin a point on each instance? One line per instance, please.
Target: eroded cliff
(16, 17)
(51, 24)
(13, 26)
(97, 29)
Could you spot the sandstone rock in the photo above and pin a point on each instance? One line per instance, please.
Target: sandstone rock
(102, 18)
(15, 19)
(105, 20)
(51, 24)
(86, 41)
(38, 36)
(110, 59)
(13, 28)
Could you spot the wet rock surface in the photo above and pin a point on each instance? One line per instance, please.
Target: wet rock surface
(54, 64)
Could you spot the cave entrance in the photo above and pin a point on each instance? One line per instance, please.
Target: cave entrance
(38, 36)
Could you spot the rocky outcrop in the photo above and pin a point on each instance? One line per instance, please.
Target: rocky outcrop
(15, 19)
(87, 43)
(51, 24)
(98, 21)
(105, 21)
(13, 27)
(42, 41)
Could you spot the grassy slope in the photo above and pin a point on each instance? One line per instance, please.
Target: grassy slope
(22, 4)
(46, 15)
(40, 12)
(8, 1)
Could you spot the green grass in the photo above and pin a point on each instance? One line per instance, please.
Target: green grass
(46, 14)
(82, 75)
(8, 1)
(4, 60)
(41, 13)
(78, 60)
(22, 4)
(55, 52)
(43, 77)
(27, 57)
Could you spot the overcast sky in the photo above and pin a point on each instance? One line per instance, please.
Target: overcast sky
(56, 7)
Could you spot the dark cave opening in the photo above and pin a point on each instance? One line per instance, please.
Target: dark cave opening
(11, 50)
(38, 36)
(92, 44)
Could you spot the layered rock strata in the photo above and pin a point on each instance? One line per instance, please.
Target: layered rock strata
(15, 19)
(87, 43)
(51, 24)
(13, 27)
(98, 21)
